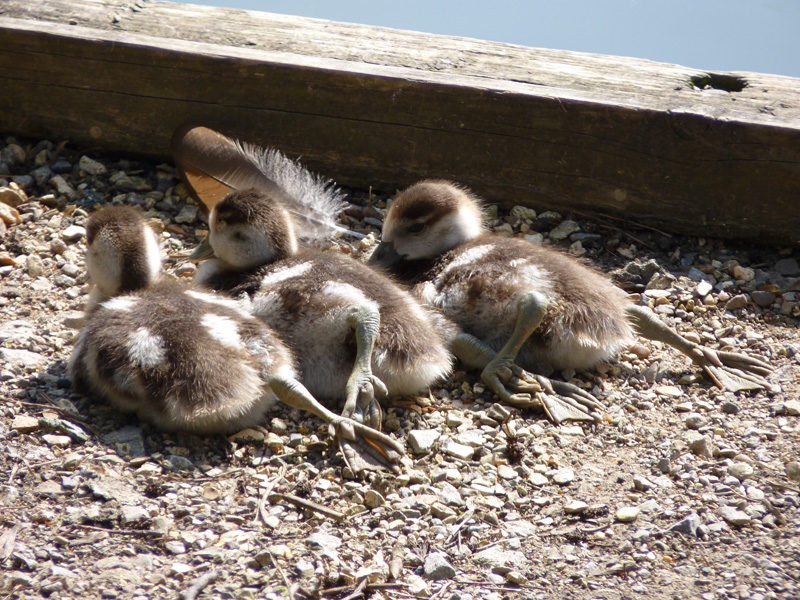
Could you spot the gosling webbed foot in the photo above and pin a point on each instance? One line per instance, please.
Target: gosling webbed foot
(561, 401)
(564, 401)
(365, 448)
(362, 446)
(512, 384)
(732, 371)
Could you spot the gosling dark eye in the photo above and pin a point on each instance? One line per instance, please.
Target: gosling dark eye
(416, 228)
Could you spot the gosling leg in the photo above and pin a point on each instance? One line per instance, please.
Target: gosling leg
(728, 370)
(362, 386)
(362, 447)
(561, 401)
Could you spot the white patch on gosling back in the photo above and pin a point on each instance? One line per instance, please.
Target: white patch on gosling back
(146, 349)
(222, 329)
(267, 306)
(282, 274)
(350, 294)
(468, 256)
(536, 279)
(123, 303)
(239, 306)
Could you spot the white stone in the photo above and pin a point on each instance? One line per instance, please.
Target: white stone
(471, 437)
(538, 479)
(73, 233)
(460, 450)
(564, 476)
(741, 470)
(575, 507)
(564, 230)
(422, 440)
(91, 166)
(626, 514)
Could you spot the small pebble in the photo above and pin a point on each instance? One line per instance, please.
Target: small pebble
(762, 298)
(422, 440)
(729, 408)
(793, 470)
(73, 233)
(741, 470)
(702, 446)
(792, 408)
(734, 516)
(743, 273)
(564, 230)
(91, 166)
(60, 441)
(626, 514)
(736, 303)
(175, 547)
(703, 289)
(25, 423)
(437, 566)
(695, 421)
(12, 197)
(373, 499)
(564, 476)
(575, 507)
(670, 391)
(461, 451)
(180, 463)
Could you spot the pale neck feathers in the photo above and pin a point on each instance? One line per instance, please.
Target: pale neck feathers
(123, 254)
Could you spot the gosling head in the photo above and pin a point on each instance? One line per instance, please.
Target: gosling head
(123, 253)
(426, 220)
(246, 230)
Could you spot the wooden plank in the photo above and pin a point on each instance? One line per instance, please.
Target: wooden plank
(373, 106)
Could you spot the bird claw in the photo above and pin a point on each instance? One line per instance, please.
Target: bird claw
(365, 448)
(732, 371)
(561, 401)
(362, 397)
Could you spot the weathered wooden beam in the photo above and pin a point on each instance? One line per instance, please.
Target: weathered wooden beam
(664, 145)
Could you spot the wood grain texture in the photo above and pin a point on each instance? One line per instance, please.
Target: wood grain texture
(374, 106)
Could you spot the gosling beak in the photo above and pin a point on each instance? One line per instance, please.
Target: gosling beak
(203, 251)
(385, 256)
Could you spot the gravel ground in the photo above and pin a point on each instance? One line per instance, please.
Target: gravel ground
(684, 491)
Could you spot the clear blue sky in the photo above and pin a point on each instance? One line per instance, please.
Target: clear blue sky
(713, 35)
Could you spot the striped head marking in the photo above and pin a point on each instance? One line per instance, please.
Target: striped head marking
(431, 217)
(249, 229)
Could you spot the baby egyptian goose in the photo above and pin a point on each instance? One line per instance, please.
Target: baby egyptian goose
(523, 306)
(179, 358)
(356, 335)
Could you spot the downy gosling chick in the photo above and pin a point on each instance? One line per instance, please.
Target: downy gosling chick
(179, 358)
(357, 336)
(524, 307)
